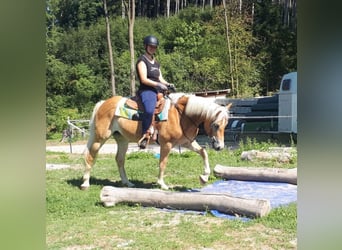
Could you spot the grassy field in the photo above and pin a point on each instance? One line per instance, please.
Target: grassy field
(76, 219)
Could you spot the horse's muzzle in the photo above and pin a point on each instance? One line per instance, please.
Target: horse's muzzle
(216, 144)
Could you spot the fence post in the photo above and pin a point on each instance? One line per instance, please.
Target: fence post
(70, 135)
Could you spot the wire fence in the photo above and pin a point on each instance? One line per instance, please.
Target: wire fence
(75, 128)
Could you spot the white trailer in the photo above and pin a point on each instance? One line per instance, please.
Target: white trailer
(287, 122)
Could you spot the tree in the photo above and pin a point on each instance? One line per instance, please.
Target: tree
(131, 18)
(110, 49)
(228, 46)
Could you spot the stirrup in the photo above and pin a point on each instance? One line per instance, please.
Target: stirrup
(145, 139)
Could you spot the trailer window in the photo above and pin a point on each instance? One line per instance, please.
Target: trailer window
(286, 84)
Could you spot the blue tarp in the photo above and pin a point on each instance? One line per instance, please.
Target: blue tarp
(277, 193)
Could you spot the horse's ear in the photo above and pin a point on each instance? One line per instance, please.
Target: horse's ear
(229, 105)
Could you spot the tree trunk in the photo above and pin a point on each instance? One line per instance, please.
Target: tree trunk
(131, 19)
(110, 50)
(257, 174)
(123, 9)
(228, 45)
(186, 200)
(177, 7)
(240, 7)
(168, 8)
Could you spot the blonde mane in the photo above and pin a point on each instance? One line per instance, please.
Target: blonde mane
(206, 108)
(201, 106)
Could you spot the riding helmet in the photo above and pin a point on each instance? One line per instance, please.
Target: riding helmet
(151, 40)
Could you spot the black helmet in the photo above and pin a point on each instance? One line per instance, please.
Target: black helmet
(151, 40)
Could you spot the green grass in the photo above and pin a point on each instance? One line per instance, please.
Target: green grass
(76, 219)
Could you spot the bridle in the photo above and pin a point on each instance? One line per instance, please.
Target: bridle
(213, 126)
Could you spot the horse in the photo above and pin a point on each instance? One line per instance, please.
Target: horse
(185, 114)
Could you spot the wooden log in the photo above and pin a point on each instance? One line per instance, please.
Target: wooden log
(196, 201)
(257, 174)
(251, 155)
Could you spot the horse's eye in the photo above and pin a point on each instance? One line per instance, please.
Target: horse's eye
(215, 126)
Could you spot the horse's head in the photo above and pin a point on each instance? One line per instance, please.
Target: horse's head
(215, 127)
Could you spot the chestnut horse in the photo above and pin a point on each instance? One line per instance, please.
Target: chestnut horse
(185, 115)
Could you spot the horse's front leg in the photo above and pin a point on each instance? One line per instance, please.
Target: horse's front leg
(164, 153)
(120, 159)
(194, 146)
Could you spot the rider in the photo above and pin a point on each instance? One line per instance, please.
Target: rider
(151, 82)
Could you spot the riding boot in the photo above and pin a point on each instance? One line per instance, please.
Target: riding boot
(145, 139)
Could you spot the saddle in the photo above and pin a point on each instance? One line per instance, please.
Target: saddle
(135, 103)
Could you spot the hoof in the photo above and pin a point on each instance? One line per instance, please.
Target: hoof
(203, 179)
(163, 185)
(84, 187)
(128, 184)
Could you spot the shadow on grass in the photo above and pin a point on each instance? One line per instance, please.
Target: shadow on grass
(138, 184)
(94, 181)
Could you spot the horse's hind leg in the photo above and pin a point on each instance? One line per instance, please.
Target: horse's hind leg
(194, 146)
(90, 154)
(96, 139)
(122, 144)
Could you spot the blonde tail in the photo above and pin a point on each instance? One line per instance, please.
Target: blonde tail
(92, 122)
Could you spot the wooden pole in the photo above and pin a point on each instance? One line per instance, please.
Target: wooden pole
(186, 201)
(257, 174)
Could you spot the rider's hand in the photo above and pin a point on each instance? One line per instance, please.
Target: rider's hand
(161, 86)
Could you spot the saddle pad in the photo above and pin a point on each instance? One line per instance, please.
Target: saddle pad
(131, 114)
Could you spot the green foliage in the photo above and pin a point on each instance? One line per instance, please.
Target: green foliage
(188, 38)
(283, 218)
(176, 68)
(57, 122)
(209, 74)
(193, 51)
(122, 74)
(252, 143)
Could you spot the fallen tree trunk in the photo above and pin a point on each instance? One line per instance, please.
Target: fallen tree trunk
(257, 174)
(186, 201)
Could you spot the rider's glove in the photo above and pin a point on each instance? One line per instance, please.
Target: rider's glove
(161, 86)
